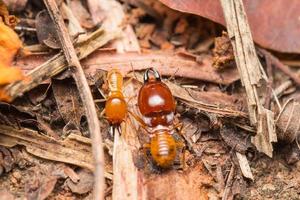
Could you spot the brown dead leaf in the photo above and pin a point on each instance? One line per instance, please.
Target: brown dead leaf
(15, 5)
(46, 188)
(181, 26)
(68, 101)
(274, 25)
(46, 31)
(287, 123)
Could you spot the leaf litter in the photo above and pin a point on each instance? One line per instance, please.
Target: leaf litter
(45, 146)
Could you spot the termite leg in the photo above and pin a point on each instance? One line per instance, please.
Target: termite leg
(180, 144)
(182, 160)
(179, 127)
(145, 148)
(118, 127)
(111, 131)
(128, 81)
(139, 120)
(102, 112)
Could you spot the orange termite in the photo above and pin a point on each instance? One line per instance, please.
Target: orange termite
(115, 106)
(157, 106)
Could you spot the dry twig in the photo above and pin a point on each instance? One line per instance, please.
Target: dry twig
(251, 73)
(86, 96)
(276, 62)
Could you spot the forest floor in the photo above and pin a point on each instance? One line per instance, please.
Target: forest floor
(45, 144)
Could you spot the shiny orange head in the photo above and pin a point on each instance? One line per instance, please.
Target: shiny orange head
(155, 100)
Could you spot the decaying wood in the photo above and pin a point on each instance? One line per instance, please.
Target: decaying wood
(168, 64)
(74, 149)
(86, 97)
(127, 178)
(251, 72)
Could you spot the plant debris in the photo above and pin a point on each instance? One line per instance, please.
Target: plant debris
(234, 100)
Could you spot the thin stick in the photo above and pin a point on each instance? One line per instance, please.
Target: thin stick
(86, 96)
(276, 62)
(229, 182)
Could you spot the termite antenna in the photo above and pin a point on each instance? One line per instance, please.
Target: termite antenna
(155, 74)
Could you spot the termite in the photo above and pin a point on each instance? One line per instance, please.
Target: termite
(157, 107)
(115, 106)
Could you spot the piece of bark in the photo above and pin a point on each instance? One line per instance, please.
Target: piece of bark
(212, 107)
(74, 150)
(168, 64)
(251, 72)
(244, 165)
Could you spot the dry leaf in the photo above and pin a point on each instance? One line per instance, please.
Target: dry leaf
(274, 25)
(15, 5)
(10, 44)
(9, 20)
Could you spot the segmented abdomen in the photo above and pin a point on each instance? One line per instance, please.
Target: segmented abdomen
(115, 80)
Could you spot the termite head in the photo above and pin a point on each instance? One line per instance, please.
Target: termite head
(163, 149)
(155, 100)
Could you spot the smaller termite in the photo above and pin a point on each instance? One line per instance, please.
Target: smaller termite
(115, 106)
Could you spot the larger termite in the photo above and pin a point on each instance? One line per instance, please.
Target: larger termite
(157, 106)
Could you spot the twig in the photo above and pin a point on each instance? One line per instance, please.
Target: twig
(86, 96)
(276, 62)
(229, 182)
(251, 73)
